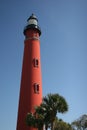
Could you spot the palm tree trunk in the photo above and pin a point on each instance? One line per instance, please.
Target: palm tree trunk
(51, 125)
(46, 127)
(40, 128)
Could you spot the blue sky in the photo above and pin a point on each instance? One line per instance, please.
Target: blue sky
(63, 54)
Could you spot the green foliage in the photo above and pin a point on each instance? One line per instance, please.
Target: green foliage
(53, 104)
(45, 114)
(35, 120)
(80, 123)
(61, 125)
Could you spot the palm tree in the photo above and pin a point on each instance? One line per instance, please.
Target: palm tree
(41, 110)
(45, 114)
(35, 120)
(53, 104)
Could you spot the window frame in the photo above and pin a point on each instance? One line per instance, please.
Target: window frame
(36, 62)
(36, 88)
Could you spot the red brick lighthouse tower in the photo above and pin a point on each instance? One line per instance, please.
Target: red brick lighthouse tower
(31, 81)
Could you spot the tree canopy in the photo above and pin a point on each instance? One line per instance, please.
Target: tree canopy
(46, 113)
(61, 125)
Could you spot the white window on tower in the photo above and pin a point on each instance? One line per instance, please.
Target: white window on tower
(36, 88)
(36, 62)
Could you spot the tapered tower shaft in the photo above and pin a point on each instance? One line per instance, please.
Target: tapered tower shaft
(31, 80)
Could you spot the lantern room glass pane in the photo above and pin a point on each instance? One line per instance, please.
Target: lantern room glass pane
(33, 21)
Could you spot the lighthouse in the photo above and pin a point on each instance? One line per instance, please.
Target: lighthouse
(31, 79)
